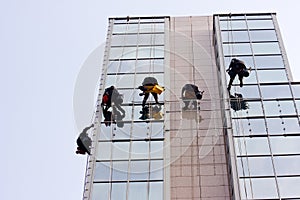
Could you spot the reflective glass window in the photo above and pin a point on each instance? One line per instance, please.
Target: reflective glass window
(285, 145)
(137, 190)
(119, 28)
(232, 17)
(263, 62)
(120, 81)
(296, 91)
(105, 132)
(140, 78)
(118, 191)
(276, 108)
(282, 91)
(260, 24)
(289, 187)
(128, 95)
(122, 132)
(260, 188)
(140, 150)
(266, 48)
(249, 127)
(271, 76)
(281, 167)
(283, 125)
(104, 151)
(120, 170)
(102, 171)
(156, 191)
(248, 91)
(156, 169)
(120, 150)
(252, 146)
(255, 166)
(151, 39)
(156, 149)
(132, 28)
(254, 109)
(100, 191)
(237, 49)
(122, 52)
(263, 35)
(235, 36)
(151, 52)
(117, 40)
(139, 170)
(151, 65)
(233, 25)
(113, 66)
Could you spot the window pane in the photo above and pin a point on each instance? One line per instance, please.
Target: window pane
(255, 166)
(118, 191)
(266, 48)
(285, 145)
(260, 24)
(119, 28)
(235, 36)
(249, 127)
(271, 76)
(156, 169)
(100, 191)
(233, 25)
(156, 191)
(282, 168)
(104, 151)
(248, 91)
(268, 62)
(140, 150)
(157, 149)
(139, 170)
(263, 35)
(120, 150)
(252, 146)
(289, 187)
(282, 91)
(248, 60)
(296, 91)
(119, 170)
(254, 109)
(237, 49)
(137, 191)
(102, 171)
(276, 108)
(263, 188)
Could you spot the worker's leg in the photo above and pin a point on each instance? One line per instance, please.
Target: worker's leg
(146, 96)
(241, 80)
(155, 97)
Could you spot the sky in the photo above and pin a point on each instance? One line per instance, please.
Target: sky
(43, 47)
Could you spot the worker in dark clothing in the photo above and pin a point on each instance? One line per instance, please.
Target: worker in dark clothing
(189, 94)
(84, 142)
(112, 98)
(237, 67)
(147, 87)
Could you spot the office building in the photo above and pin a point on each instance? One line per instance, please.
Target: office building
(230, 148)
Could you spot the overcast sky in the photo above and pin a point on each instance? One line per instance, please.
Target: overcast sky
(43, 45)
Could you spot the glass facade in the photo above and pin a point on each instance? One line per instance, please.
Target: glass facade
(130, 155)
(243, 149)
(266, 133)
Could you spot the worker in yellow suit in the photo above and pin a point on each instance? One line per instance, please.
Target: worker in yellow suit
(150, 85)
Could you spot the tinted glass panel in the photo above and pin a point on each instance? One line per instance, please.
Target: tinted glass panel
(235, 36)
(118, 191)
(260, 24)
(266, 48)
(260, 166)
(252, 146)
(236, 49)
(285, 145)
(263, 35)
(289, 187)
(232, 25)
(100, 191)
(282, 168)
